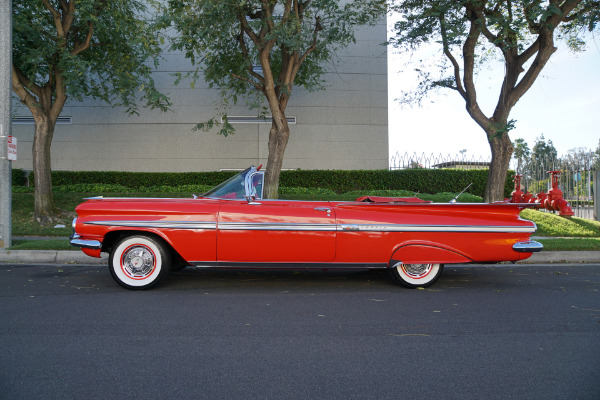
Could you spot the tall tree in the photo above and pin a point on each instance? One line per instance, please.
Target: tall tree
(597, 156)
(544, 156)
(264, 48)
(544, 150)
(521, 33)
(102, 49)
(521, 154)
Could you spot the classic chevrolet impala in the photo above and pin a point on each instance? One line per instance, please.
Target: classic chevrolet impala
(232, 226)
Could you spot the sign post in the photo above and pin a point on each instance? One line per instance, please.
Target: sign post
(5, 103)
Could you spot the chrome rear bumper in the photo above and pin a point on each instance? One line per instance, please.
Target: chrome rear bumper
(531, 246)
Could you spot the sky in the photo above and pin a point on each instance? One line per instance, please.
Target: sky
(563, 105)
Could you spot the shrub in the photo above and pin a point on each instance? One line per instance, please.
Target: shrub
(338, 181)
(19, 177)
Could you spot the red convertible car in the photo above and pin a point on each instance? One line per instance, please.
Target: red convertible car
(411, 238)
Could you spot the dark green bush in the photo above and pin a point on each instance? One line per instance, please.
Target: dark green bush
(19, 177)
(414, 180)
(140, 179)
(338, 181)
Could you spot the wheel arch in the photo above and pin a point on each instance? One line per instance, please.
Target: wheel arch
(420, 252)
(114, 236)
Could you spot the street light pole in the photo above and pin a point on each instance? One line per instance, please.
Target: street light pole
(5, 116)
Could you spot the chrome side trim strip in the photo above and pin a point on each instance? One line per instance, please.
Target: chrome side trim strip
(158, 224)
(259, 226)
(531, 246)
(287, 265)
(434, 228)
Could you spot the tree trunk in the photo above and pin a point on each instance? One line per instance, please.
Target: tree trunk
(502, 150)
(43, 205)
(278, 139)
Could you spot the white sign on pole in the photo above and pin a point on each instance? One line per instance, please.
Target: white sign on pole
(12, 148)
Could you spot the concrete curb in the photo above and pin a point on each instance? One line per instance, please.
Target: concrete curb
(49, 256)
(77, 257)
(563, 257)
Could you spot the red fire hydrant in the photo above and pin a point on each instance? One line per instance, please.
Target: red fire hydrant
(554, 200)
(517, 196)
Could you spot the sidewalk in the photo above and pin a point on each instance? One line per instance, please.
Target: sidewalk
(77, 257)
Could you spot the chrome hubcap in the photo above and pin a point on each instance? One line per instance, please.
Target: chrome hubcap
(417, 271)
(138, 262)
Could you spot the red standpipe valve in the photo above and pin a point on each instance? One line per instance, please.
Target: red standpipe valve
(554, 200)
(517, 196)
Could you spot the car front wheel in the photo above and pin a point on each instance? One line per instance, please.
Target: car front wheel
(139, 262)
(415, 275)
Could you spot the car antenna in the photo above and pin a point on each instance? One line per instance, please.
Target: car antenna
(454, 199)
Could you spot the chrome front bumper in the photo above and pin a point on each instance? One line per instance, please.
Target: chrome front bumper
(84, 244)
(531, 246)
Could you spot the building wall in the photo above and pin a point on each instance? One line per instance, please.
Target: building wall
(342, 127)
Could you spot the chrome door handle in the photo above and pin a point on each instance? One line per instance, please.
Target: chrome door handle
(324, 209)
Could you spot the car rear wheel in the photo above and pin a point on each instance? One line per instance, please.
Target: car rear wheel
(415, 275)
(139, 262)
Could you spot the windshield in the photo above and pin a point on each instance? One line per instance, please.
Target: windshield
(233, 188)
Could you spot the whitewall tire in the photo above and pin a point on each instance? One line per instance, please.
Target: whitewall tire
(139, 262)
(415, 275)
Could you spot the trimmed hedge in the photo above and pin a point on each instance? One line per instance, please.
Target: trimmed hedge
(140, 179)
(338, 181)
(415, 180)
(19, 178)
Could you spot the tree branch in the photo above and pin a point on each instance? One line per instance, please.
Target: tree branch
(450, 56)
(26, 82)
(246, 28)
(313, 46)
(56, 16)
(250, 81)
(79, 47)
(22, 90)
(469, 65)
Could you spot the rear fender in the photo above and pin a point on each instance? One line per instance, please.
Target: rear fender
(427, 253)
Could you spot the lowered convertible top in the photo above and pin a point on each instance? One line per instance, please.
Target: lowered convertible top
(376, 199)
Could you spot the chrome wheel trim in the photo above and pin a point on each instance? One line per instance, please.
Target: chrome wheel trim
(417, 271)
(417, 275)
(138, 262)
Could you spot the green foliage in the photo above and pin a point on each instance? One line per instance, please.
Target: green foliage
(571, 244)
(227, 40)
(305, 191)
(136, 180)
(544, 150)
(550, 224)
(361, 182)
(49, 244)
(116, 66)
(414, 180)
(18, 177)
(597, 156)
(503, 29)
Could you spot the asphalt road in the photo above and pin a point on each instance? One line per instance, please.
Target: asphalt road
(481, 332)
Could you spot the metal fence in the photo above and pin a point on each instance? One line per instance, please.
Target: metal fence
(579, 173)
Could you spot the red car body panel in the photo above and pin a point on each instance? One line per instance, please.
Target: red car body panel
(278, 231)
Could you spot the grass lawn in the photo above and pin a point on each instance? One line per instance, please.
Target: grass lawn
(46, 244)
(571, 244)
(582, 234)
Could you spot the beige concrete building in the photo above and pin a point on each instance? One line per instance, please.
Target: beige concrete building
(342, 127)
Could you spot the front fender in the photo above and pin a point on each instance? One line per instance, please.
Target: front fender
(427, 253)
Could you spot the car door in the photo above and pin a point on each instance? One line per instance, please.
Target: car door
(275, 231)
